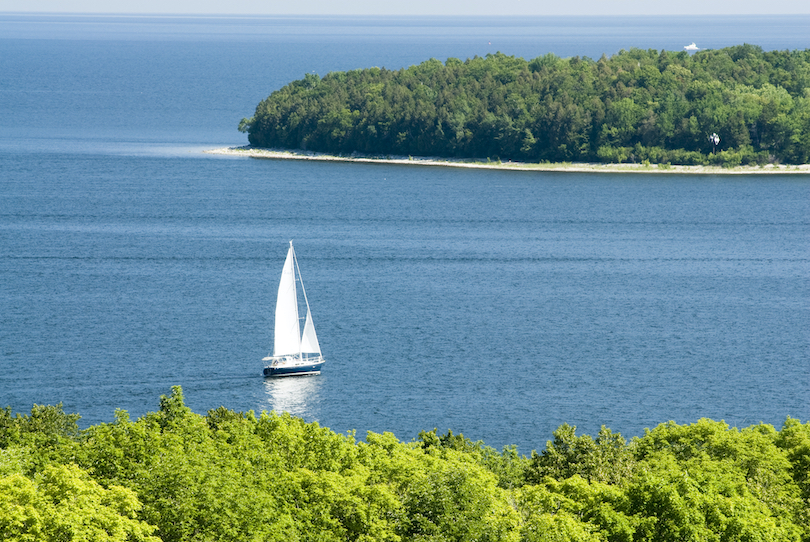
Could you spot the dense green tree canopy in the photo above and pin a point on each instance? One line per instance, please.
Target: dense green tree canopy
(636, 105)
(174, 475)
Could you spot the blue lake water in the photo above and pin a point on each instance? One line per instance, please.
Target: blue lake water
(498, 304)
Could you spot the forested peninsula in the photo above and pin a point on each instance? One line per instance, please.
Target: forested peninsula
(724, 107)
(173, 475)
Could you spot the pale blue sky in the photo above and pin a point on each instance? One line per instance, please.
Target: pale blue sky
(415, 7)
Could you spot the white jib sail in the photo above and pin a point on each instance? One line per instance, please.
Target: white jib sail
(309, 342)
(287, 330)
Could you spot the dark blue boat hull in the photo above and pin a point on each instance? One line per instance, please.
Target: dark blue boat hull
(299, 370)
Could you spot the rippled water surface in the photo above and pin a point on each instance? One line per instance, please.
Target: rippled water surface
(498, 304)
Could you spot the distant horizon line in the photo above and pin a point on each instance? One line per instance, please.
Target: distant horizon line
(377, 15)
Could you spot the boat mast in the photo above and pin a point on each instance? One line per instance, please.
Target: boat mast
(296, 268)
(303, 290)
(306, 301)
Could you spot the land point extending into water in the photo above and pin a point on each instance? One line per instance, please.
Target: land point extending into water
(284, 154)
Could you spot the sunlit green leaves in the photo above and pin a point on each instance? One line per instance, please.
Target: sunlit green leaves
(63, 503)
(228, 475)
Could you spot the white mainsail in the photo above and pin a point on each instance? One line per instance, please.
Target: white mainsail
(287, 330)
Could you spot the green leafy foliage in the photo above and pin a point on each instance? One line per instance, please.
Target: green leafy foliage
(636, 106)
(174, 475)
(63, 503)
(606, 459)
(508, 467)
(45, 426)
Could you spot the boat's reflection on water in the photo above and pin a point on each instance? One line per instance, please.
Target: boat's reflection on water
(298, 395)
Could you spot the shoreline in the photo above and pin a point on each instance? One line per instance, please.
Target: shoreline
(572, 167)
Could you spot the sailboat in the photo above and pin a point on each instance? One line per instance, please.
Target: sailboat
(294, 352)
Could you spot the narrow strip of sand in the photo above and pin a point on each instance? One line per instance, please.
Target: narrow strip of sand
(278, 154)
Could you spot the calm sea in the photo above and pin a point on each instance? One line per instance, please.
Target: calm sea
(497, 304)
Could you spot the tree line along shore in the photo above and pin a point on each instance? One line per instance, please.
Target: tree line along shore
(727, 107)
(173, 475)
